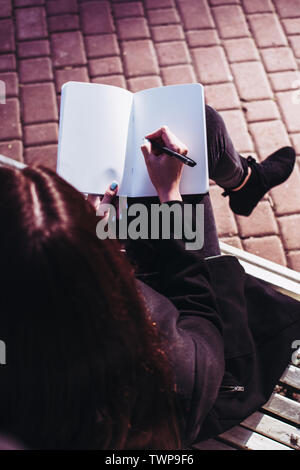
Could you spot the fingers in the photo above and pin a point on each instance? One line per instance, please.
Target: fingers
(108, 197)
(93, 200)
(146, 149)
(169, 139)
(110, 193)
(156, 134)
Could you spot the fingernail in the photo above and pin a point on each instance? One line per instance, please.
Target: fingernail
(113, 186)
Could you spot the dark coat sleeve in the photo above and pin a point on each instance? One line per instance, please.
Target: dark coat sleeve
(193, 328)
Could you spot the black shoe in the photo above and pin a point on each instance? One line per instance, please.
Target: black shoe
(273, 171)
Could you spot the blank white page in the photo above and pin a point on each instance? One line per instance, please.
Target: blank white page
(93, 135)
(181, 108)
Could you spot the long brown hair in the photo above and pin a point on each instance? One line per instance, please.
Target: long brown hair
(85, 367)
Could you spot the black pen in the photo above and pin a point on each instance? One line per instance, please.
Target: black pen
(186, 160)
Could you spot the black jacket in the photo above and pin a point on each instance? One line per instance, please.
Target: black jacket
(230, 335)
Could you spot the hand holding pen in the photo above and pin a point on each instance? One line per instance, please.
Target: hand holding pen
(164, 141)
(164, 171)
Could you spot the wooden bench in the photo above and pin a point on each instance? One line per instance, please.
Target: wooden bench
(276, 426)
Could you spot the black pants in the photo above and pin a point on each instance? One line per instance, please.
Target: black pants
(225, 168)
(224, 163)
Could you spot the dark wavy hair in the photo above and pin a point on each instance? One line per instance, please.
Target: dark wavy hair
(85, 367)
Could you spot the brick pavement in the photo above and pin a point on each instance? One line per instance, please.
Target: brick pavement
(245, 52)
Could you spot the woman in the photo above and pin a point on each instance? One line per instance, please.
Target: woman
(84, 365)
(97, 359)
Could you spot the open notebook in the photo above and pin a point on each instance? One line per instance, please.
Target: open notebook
(102, 128)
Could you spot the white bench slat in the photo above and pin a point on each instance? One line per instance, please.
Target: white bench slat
(274, 429)
(212, 444)
(248, 440)
(291, 376)
(283, 407)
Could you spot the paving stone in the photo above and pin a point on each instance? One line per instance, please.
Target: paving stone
(232, 241)
(35, 70)
(172, 53)
(278, 59)
(269, 136)
(128, 9)
(142, 83)
(269, 248)
(40, 134)
(164, 16)
(39, 103)
(286, 196)
(241, 50)
(290, 110)
(114, 80)
(74, 74)
(211, 65)
(140, 58)
(293, 258)
(28, 3)
(288, 8)
(295, 42)
(205, 37)
(11, 84)
(96, 18)
(257, 6)
(63, 23)
(260, 223)
(45, 155)
(29, 49)
(296, 142)
(283, 81)
(289, 227)
(291, 25)
(105, 66)
(237, 128)
(224, 2)
(225, 221)
(7, 38)
(101, 46)
(178, 74)
(10, 120)
(230, 21)
(267, 30)
(31, 23)
(167, 33)
(159, 3)
(63, 6)
(263, 110)
(223, 96)
(5, 8)
(68, 49)
(132, 28)
(12, 149)
(195, 14)
(7, 62)
(251, 72)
